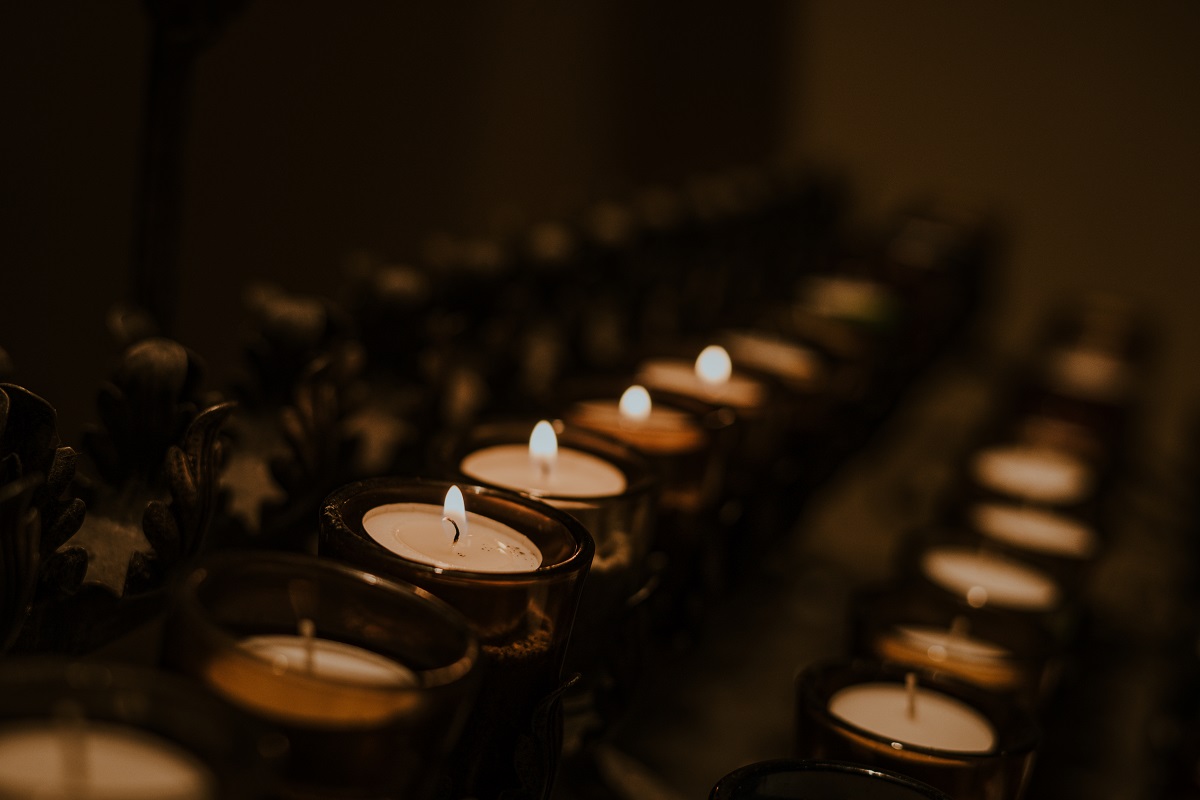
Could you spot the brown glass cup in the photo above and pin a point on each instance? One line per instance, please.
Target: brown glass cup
(999, 773)
(347, 738)
(236, 756)
(621, 525)
(797, 779)
(524, 621)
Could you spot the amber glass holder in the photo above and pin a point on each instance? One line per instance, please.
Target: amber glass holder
(347, 739)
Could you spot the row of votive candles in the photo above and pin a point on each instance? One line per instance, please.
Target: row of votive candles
(954, 664)
(371, 682)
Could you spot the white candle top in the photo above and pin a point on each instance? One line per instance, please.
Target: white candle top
(337, 662)
(1035, 529)
(775, 356)
(416, 531)
(938, 721)
(983, 579)
(88, 760)
(575, 474)
(942, 644)
(1038, 474)
(677, 375)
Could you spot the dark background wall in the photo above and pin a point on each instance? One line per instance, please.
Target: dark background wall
(319, 128)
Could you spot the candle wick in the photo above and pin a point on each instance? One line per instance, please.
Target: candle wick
(457, 532)
(910, 691)
(308, 631)
(73, 743)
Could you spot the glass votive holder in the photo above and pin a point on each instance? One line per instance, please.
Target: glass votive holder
(996, 651)
(369, 680)
(970, 744)
(72, 730)
(523, 619)
(800, 779)
(611, 489)
(689, 444)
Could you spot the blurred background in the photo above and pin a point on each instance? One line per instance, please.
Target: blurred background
(318, 129)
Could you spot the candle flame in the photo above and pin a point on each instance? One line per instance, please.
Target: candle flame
(454, 514)
(543, 446)
(713, 365)
(635, 404)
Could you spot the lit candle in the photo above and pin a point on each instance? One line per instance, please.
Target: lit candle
(449, 537)
(652, 428)
(982, 579)
(90, 760)
(543, 469)
(911, 715)
(1035, 474)
(710, 379)
(1035, 529)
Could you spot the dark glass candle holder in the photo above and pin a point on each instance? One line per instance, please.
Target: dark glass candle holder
(523, 619)
(72, 729)
(971, 744)
(798, 779)
(999, 652)
(378, 718)
(609, 644)
(689, 443)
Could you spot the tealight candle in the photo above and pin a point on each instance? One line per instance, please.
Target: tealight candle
(449, 537)
(911, 715)
(78, 758)
(544, 469)
(925, 627)
(523, 618)
(985, 579)
(969, 658)
(1033, 474)
(710, 378)
(1035, 529)
(86, 730)
(655, 429)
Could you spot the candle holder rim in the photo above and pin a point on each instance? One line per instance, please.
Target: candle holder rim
(431, 678)
(585, 546)
(1022, 741)
(725, 787)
